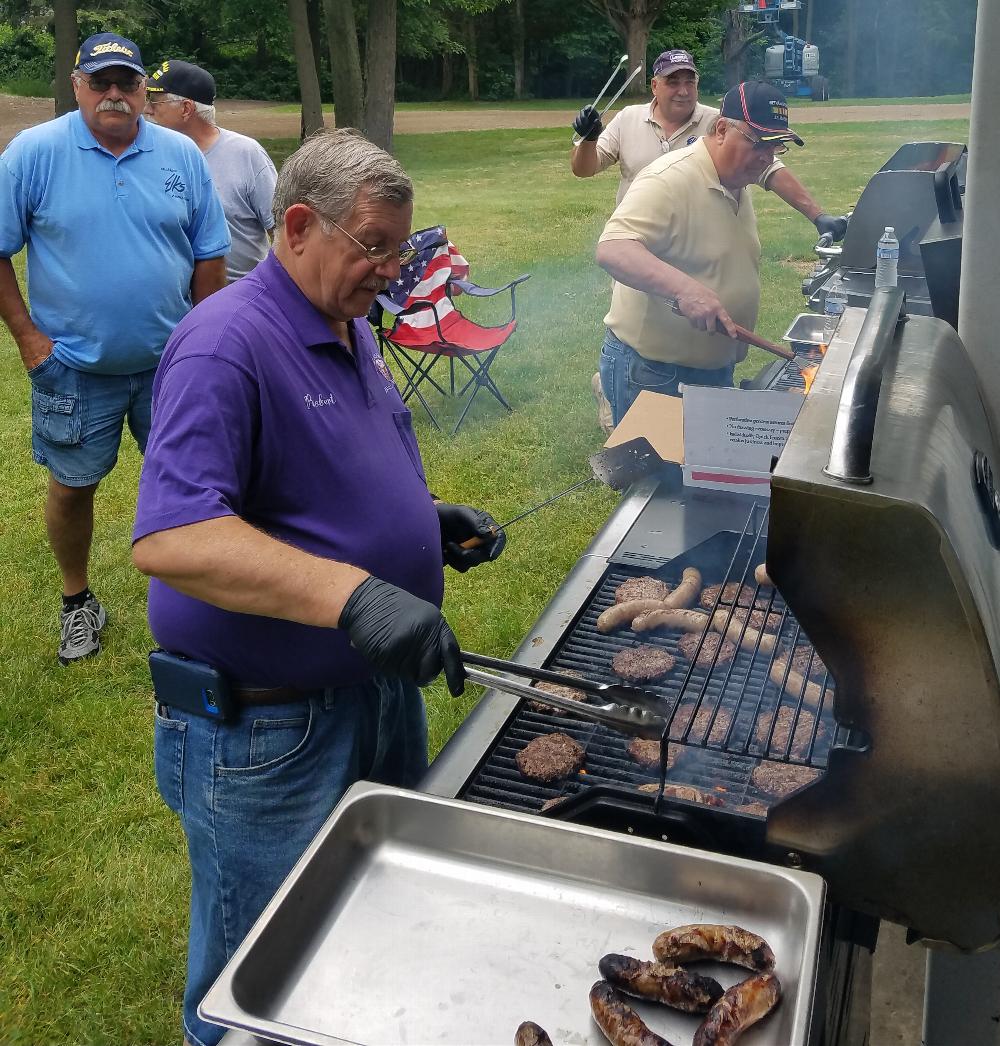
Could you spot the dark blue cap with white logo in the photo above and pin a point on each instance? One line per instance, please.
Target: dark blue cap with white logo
(104, 50)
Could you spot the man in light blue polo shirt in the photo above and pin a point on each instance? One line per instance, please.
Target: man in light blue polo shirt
(124, 233)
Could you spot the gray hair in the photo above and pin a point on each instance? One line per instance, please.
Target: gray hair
(331, 169)
(206, 112)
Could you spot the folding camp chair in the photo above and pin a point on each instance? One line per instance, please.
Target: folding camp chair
(427, 327)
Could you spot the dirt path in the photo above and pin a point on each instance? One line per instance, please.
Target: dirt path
(262, 120)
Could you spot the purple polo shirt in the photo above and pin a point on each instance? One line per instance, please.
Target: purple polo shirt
(260, 412)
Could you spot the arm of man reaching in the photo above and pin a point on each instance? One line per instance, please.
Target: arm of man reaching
(587, 158)
(232, 565)
(33, 345)
(783, 183)
(632, 263)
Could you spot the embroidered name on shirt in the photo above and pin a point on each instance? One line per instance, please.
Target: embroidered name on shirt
(319, 400)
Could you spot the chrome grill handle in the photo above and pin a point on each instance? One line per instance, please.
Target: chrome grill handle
(854, 430)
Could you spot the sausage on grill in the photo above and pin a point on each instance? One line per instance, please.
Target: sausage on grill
(660, 982)
(530, 1034)
(749, 638)
(685, 594)
(761, 576)
(621, 1025)
(700, 941)
(660, 617)
(743, 1005)
(622, 614)
(795, 684)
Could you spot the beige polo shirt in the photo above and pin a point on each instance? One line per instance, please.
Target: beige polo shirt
(634, 139)
(680, 211)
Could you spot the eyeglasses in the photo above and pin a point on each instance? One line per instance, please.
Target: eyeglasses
(775, 148)
(378, 255)
(101, 84)
(156, 99)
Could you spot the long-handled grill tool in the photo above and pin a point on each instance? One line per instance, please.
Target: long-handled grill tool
(627, 709)
(754, 339)
(621, 90)
(616, 467)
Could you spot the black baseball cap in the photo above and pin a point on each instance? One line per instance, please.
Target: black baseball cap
(104, 50)
(763, 107)
(184, 79)
(672, 61)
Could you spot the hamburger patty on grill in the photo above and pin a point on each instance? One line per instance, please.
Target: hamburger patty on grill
(647, 753)
(801, 661)
(559, 690)
(757, 618)
(781, 779)
(550, 757)
(645, 587)
(784, 722)
(715, 651)
(642, 664)
(679, 791)
(710, 594)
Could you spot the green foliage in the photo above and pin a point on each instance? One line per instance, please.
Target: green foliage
(27, 56)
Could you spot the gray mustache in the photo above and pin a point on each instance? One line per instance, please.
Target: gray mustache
(110, 105)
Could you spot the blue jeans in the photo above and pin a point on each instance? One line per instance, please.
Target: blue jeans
(624, 374)
(251, 795)
(77, 419)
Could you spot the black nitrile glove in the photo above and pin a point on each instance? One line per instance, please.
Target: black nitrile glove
(836, 227)
(461, 522)
(402, 634)
(588, 124)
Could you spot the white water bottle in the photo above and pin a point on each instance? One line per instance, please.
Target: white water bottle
(833, 308)
(886, 259)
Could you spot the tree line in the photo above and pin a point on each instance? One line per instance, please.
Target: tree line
(364, 55)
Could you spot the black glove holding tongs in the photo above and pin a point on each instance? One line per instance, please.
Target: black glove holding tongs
(628, 709)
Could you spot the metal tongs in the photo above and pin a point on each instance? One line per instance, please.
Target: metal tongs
(621, 91)
(628, 709)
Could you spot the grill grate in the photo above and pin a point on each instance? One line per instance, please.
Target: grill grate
(722, 720)
(790, 378)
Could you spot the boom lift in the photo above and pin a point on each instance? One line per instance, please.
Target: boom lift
(793, 64)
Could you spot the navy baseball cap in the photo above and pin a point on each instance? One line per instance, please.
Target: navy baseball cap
(184, 79)
(672, 61)
(104, 50)
(763, 107)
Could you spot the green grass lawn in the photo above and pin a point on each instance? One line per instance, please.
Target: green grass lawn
(93, 866)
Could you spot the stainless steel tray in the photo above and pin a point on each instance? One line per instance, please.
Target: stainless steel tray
(417, 919)
(806, 331)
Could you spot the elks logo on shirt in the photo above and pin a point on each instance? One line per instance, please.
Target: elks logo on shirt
(383, 370)
(173, 184)
(692, 139)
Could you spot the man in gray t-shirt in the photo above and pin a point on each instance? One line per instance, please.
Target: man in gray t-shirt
(181, 96)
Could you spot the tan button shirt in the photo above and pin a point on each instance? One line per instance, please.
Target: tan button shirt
(634, 139)
(680, 211)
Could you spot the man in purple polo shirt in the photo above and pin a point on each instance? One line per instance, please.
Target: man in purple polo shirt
(294, 549)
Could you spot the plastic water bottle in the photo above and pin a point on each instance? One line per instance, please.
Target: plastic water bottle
(833, 308)
(886, 259)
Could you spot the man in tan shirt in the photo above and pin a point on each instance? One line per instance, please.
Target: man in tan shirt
(674, 119)
(686, 232)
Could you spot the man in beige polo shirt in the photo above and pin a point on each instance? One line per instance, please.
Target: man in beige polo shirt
(674, 119)
(686, 232)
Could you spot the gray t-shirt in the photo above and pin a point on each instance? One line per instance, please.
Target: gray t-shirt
(244, 178)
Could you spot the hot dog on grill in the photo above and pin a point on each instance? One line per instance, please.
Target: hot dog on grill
(685, 620)
(742, 1005)
(749, 638)
(660, 982)
(530, 1034)
(621, 1025)
(793, 683)
(711, 941)
(621, 614)
(760, 575)
(687, 591)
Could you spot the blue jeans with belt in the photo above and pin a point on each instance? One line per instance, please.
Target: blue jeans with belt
(251, 795)
(624, 373)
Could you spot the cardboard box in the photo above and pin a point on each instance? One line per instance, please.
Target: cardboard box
(721, 439)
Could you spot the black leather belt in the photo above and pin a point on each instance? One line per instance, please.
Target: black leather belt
(266, 695)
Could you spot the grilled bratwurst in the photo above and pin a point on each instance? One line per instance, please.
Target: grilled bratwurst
(530, 1034)
(743, 1005)
(659, 982)
(701, 941)
(621, 1025)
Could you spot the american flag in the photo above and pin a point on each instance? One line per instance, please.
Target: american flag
(425, 279)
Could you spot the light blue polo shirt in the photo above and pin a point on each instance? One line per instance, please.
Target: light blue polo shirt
(112, 241)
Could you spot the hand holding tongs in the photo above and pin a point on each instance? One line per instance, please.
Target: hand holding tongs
(635, 73)
(629, 710)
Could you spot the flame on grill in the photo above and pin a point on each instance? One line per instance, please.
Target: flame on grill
(809, 376)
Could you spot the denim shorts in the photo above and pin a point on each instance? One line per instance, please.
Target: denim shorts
(77, 418)
(251, 795)
(624, 374)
